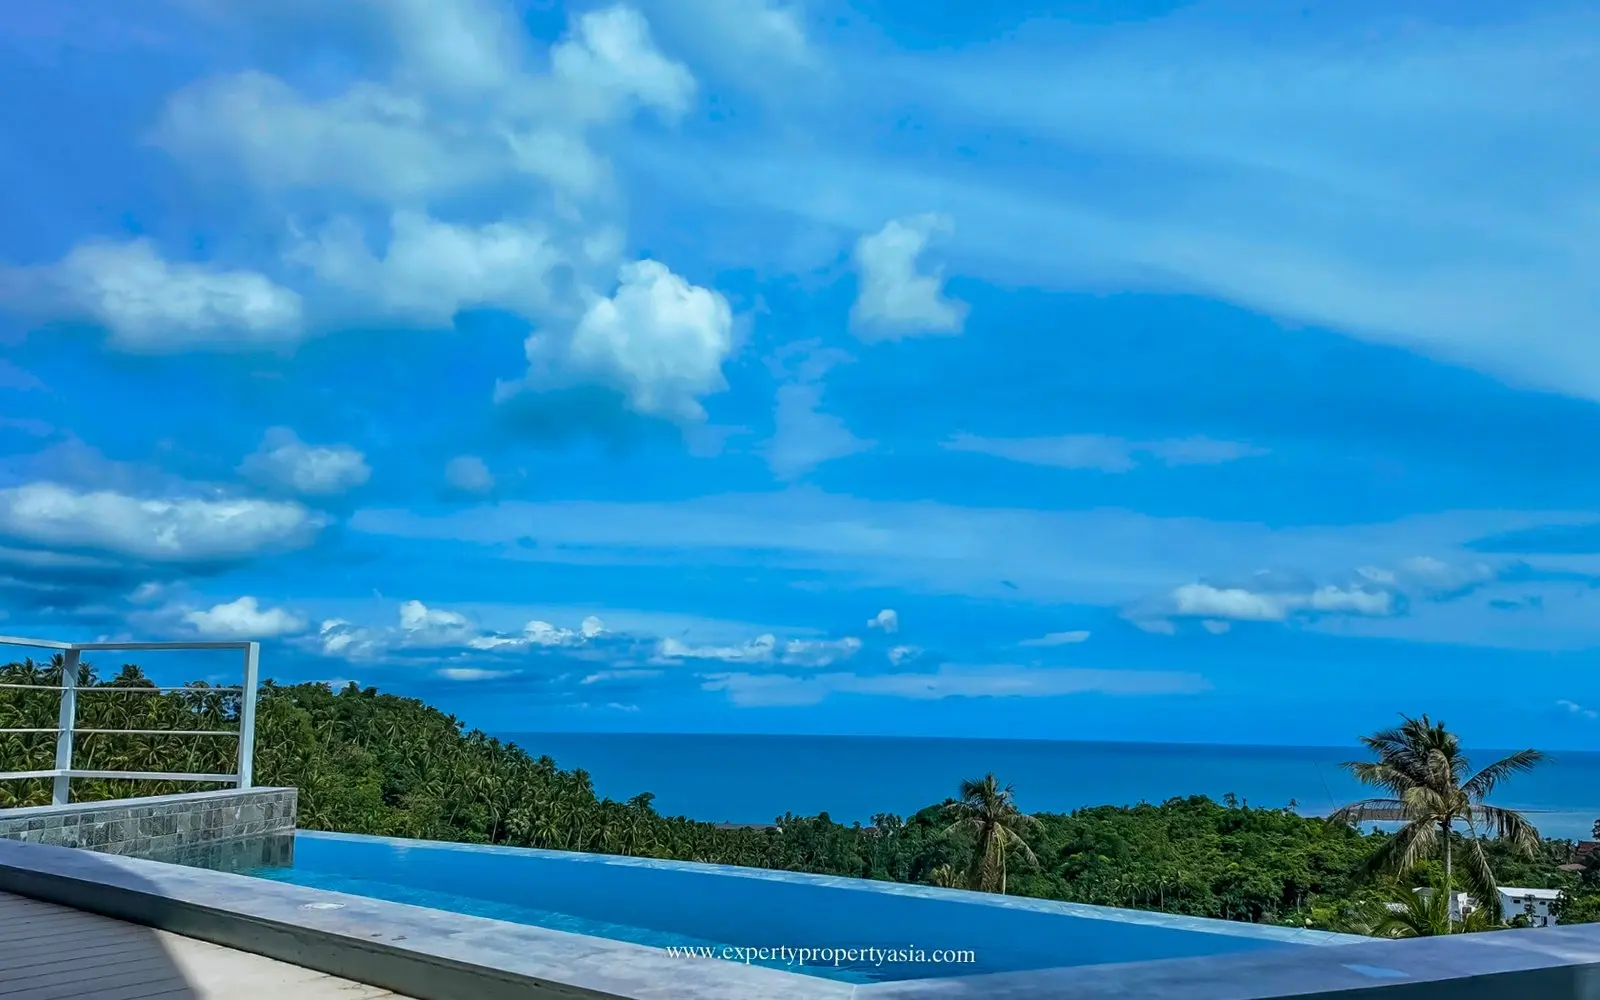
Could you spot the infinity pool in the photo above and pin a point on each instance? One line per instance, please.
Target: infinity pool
(918, 932)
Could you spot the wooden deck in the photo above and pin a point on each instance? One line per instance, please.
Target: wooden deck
(50, 952)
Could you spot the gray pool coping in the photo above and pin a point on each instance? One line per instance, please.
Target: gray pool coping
(1146, 918)
(438, 955)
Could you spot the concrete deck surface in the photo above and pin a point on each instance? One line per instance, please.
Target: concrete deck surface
(49, 952)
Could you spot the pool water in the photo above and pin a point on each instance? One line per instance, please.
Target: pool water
(672, 904)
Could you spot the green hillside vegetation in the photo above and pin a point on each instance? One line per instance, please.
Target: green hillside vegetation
(372, 763)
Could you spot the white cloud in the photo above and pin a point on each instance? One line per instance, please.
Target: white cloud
(1436, 576)
(150, 305)
(156, 530)
(886, 619)
(896, 299)
(284, 461)
(629, 674)
(904, 654)
(1215, 627)
(337, 637)
(1153, 624)
(611, 61)
(544, 635)
(470, 673)
(803, 436)
(244, 619)
(1577, 709)
(1202, 600)
(765, 649)
(420, 627)
(1057, 639)
(767, 689)
(431, 270)
(1105, 453)
(370, 140)
(469, 474)
(659, 340)
(461, 112)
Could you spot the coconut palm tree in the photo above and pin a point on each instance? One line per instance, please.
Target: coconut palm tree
(1411, 913)
(989, 812)
(1431, 788)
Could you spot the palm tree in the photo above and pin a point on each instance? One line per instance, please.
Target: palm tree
(1421, 766)
(989, 812)
(1411, 913)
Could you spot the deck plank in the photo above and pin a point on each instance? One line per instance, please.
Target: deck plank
(50, 952)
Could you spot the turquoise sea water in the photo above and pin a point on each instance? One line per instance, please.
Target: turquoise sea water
(754, 779)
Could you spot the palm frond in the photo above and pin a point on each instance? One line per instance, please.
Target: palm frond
(1480, 785)
(1506, 824)
(1372, 811)
(1406, 848)
(1480, 880)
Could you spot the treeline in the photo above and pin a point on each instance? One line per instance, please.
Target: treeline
(372, 763)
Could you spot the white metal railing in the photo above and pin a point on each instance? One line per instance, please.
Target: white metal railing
(66, 723)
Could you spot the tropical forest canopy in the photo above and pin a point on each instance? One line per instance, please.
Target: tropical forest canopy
(373, 763)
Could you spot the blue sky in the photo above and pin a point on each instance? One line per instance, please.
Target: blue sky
(1162, 371)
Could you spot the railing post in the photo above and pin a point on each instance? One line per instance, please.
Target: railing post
(66, 722)
(247, 715)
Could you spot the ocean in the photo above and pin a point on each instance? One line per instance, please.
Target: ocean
(755, 779)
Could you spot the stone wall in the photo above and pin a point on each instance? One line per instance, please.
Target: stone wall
(156, 825)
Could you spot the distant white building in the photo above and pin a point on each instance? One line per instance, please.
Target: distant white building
(1535, 904)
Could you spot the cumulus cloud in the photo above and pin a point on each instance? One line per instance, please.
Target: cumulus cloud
(611, 61)
(544, 635)
(658, 340)
(765, 649)
(1057, 639)
(431, 270)
(150, 305)
(244, 619)
(1103, 452)
(421, 628)
(463, 108)
(1202, 600)
(886, 619)
(895, 298)
(337, 637)
(770, 689)
(469, 474)
(174, 531)
(286, 462)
